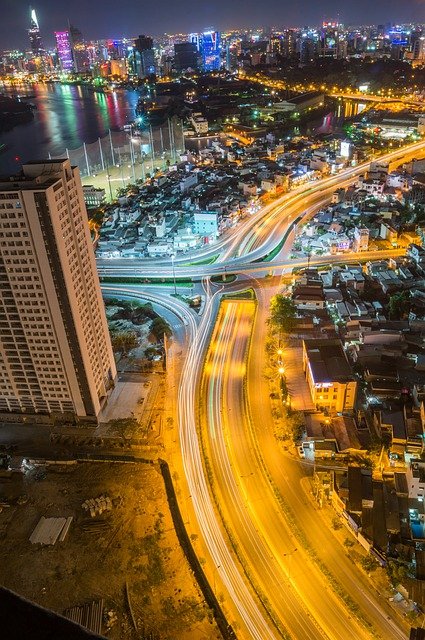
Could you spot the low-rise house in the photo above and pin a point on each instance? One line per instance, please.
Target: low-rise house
(332, 385)
(308, 297)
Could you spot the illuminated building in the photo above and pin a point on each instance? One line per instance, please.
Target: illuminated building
(142, 57)
(185, 56)
(328, 373)
(34, 34)
(331, 41)
(79, 51)
(63, 45)
(308, 46)
(55, 351)
(208, 44)
(361, 239)
(288, 43)
(119, 68)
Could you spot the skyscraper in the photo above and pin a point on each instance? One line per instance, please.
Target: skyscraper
(79, 51)
(185, 56)
(143, 57)
(34, 34)
(63, 45)
(208, 44)
(55, 350)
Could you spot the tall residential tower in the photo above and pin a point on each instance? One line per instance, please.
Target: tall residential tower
(55, 350)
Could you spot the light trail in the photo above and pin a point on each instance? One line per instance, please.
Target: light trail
(256, 626)
(248, 505)
(272, 213)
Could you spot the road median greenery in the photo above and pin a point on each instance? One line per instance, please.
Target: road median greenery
(223, 277)
(246, 294)
(182, 282)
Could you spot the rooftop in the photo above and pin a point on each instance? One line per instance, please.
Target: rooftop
(327, 360)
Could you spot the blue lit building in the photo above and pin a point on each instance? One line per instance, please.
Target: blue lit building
(64, 48)
(208, 44)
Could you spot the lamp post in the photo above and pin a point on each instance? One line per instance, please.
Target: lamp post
(173, 255)
(290, 554)
(216, 567)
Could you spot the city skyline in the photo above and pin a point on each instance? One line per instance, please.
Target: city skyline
(53, 16)
(212, 315)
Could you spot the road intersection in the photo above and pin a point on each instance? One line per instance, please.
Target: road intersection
(233, 469)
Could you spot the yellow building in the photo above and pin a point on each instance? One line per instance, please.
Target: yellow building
(329, 376)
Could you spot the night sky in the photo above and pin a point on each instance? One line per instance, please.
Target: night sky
(115, 18)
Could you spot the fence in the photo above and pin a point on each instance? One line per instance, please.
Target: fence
(131, 154)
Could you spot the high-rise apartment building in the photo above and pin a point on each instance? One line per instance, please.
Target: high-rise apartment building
(55, 350)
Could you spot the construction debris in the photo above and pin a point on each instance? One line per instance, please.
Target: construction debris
(96, 506)
(89, 615)
(48, 530)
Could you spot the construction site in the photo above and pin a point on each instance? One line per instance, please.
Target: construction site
(95, 542)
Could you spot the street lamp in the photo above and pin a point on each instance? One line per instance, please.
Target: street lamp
(173, 255)
(290, 554)
(216, 567)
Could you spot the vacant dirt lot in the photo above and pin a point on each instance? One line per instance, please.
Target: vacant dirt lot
(133, 545)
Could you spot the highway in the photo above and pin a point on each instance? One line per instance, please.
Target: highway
(258, 235)
(245, 495)
(287, 474)
(278, 565)
(250, 617)
(290, 592)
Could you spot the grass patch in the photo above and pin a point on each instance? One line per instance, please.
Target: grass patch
(246, 294)
(225, 277)
(182, 282)
(195, 263)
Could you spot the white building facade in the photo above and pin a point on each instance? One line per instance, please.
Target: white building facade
(55, 349)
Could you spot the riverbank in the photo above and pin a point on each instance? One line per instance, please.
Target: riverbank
(13, 113)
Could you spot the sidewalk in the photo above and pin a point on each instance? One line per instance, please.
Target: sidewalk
(126, 400)
(377, 579)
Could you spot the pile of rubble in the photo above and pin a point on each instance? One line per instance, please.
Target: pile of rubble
(96, 506)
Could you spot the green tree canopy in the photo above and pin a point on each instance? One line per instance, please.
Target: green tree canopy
(282, 313)
(123, 342)
(399, 305)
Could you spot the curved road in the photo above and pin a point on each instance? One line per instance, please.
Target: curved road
(293, 586)
(255, 238)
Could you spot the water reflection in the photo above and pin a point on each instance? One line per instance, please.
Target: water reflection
(66, 116)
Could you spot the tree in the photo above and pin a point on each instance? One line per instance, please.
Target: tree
(396, 572)
(295, 424)
(160, 327)
(369, 563)
(123, 427)
(282, 313)
(399, 305)
(123, 342)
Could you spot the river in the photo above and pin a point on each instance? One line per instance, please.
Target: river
(68, 115)
(65, 117)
